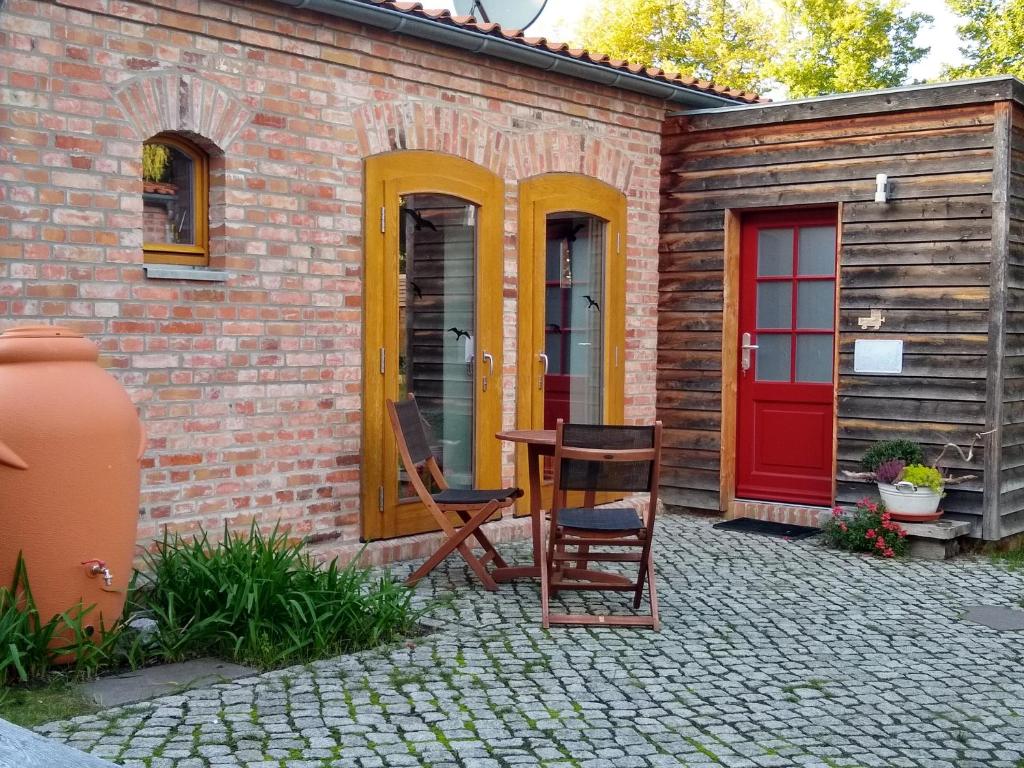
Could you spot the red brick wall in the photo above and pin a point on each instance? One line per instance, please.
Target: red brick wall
(250, 389)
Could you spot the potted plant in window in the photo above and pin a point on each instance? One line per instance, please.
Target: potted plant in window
(156, 162)
(159, 197)
(910, 490)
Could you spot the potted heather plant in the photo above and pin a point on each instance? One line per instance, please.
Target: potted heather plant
(910, 490)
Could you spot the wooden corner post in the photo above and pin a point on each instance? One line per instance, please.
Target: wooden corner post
(991, 524)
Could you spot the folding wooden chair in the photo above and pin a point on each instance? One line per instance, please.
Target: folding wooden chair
(593, 458)
(473, 507)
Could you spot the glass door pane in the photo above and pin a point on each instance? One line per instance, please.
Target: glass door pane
(782, 354)
(437, 327)
(574, 303)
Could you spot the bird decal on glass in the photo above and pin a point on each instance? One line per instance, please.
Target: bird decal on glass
(459, 333)
(420, 220)
(591, 303)
(554, 327)
(416, 290)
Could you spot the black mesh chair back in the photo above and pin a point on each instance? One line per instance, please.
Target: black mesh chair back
(410, 421)
(585, 475)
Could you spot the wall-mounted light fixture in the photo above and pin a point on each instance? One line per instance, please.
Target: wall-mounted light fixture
(881, 188)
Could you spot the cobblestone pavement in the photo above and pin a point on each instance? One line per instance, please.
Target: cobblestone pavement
(773, 653)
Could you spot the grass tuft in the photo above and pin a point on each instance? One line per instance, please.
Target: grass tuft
(56, 698)
(1012, 559)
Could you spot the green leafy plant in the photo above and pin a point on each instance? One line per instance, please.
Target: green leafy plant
(24, 638)
(156, 159)
(865, 528)
(29, 646)
(260, 599)
(905, 450)
(923, 477)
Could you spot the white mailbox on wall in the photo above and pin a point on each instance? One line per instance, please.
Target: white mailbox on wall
(884, 356)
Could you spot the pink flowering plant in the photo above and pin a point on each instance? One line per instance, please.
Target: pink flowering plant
(865, 528)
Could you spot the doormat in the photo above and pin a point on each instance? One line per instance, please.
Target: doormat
(767, 528)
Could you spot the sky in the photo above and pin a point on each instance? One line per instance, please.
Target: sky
(559, 18)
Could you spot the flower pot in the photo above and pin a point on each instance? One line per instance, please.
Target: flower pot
(159, 188)
(910, 503)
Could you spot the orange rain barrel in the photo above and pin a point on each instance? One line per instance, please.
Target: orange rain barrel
(70, 445)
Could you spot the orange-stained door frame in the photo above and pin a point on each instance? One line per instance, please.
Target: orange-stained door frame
(539, 197)
(731, 345)
(387, 178)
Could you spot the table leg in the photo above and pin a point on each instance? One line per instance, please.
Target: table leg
(534, 457)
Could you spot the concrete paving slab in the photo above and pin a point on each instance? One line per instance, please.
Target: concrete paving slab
(163, 680)
(20, 748)
(996, 617)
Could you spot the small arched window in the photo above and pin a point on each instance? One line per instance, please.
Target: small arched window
(175, 202)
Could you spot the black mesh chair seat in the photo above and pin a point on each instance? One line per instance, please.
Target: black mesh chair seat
(472, 496)
(601, 519)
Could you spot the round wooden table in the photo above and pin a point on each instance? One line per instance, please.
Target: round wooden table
(539, 443)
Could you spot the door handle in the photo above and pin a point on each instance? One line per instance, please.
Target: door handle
(544, 361)
(489, 359)
(746, 346)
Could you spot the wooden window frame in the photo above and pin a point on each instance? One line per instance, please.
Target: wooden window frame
(197, 255)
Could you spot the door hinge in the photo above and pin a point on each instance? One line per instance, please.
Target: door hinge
(383, 218)
(383, 359)
(380, 499)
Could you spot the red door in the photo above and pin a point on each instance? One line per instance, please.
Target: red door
(787, 348)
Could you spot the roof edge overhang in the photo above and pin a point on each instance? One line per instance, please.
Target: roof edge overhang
(539, 58)
(906, 98)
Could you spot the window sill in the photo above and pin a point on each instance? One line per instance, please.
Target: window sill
(178, 272)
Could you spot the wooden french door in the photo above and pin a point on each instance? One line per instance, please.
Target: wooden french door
(433, 327)
(786, 390)
(572, 296)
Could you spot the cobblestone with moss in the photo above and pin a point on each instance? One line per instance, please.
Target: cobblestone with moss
(773, 653)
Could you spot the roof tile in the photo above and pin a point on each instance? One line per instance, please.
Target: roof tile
(515, 35)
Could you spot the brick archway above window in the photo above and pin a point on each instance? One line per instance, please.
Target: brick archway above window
(433, 127)
(555, 151)
(181, 102)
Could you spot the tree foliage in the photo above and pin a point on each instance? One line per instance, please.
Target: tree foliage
(809, 47)
(728, 40)
(993, 33)
(838, 46)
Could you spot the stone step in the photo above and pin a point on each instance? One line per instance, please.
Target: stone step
(938, 540)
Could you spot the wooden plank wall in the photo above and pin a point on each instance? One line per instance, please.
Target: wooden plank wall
(923, 259)
(1011, 497)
